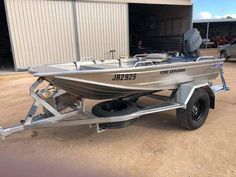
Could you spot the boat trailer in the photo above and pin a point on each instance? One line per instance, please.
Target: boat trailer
(53, 114)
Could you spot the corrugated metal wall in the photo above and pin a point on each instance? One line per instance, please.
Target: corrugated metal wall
(50, 31)
(42, 31)
(102, 27)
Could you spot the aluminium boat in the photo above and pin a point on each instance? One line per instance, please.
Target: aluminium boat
(124, 77)
(144, 73)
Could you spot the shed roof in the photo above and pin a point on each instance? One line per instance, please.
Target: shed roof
(164, 2)
(221, 20)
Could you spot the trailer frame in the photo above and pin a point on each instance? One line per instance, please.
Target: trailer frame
(179, 98)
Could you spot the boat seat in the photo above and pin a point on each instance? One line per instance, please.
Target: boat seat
(181, 59)
(157, 57)
(98, 66)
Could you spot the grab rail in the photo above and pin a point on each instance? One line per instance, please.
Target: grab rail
(77, 65)
(142, 62)
(204, 57)
(93, 59)
(140, 55)
(88, 59)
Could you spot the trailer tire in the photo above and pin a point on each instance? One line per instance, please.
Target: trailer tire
(195, 115)
(112, 109)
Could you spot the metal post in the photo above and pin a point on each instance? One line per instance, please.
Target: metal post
(207, 34)
(76, 32)
(112, 53)
(225, 86)
(230, 29)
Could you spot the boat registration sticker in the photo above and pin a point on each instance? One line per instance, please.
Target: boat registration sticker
(124, 77)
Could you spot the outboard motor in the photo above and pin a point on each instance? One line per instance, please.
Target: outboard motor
(192, 41)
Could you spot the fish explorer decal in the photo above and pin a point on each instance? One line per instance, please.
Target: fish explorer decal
(124, 77)
(172, 71)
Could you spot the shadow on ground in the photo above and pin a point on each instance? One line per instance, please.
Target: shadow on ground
(157, 122)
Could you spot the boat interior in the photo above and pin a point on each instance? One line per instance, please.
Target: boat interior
(141, 60)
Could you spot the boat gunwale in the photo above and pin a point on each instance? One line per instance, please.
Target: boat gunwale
(124, 69)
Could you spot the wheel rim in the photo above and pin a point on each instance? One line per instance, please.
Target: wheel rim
(198, 110)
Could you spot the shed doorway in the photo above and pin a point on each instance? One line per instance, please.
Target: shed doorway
(6, 59)
(157, 28)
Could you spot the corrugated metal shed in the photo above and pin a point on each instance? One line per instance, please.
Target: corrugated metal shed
(103, 27)
(58, 31)
(42, 31)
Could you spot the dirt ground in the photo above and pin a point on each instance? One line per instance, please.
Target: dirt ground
(154, 146)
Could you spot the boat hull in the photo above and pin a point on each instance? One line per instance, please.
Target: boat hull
(115, 83)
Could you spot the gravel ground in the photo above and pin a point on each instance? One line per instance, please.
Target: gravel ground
(153, 146)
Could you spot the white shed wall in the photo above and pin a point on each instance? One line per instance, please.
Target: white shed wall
(51, 31)
(103, 27)
(42, 32)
